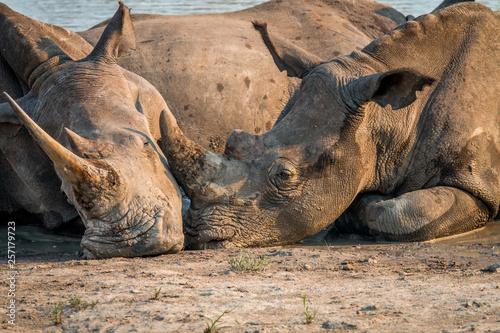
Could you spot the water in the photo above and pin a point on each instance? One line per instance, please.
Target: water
(32, 240)
(416, 8)
(82, 15)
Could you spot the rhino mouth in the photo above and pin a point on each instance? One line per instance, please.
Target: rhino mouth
(209, 229)
(141, 228)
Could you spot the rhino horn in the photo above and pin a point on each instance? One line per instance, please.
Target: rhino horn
(74, 169)
(88, 148)
(190, 163)
(286, 55)
(118, 39)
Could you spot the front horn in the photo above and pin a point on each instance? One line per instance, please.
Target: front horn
(190, 163)
(74, 169)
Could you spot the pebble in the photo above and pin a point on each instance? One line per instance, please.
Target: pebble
(492, 268)
(367, 308)
(347, 267)
(472, 304)
(328, 325)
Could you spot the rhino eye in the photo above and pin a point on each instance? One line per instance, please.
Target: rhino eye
(285, 181)
(283, 175)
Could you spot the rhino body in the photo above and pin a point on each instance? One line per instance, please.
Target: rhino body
(215, 73)
(399, 141)
(82, 127)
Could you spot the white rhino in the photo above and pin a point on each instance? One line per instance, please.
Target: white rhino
(84, 129)
(400, 141)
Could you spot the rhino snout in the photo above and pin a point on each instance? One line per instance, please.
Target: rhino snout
(144, 230)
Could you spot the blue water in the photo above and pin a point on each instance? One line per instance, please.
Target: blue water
(81, 15)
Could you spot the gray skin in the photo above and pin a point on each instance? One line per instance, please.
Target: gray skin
(215, 73)
(84, 130)
(399, 141)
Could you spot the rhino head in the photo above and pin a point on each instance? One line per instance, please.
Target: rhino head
(91, 122)
(296, 179)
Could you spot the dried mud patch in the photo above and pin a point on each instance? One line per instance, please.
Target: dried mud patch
(377, 288)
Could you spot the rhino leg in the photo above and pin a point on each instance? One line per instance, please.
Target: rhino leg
(417, 216)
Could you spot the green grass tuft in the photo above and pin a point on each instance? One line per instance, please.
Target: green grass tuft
(58, 310)
(212, 326)
(156, 295)
(309, 317)
(245, 262)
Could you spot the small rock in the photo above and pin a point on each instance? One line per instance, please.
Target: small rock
(492, 268)
(132, 291)
(347, 267)
(328, 325)
(307, 267)
(348, 326)
(472, 304)
(285, 253)
(367, 309)
(159, 318)
(206, 294)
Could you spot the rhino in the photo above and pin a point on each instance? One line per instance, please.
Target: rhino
(215, 73)
(81, 127)
(400, 141)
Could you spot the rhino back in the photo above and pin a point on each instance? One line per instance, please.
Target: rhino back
(216, 74)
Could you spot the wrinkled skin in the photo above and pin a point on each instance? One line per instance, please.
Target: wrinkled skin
(215, 73)
(85, 130)
(399, 141)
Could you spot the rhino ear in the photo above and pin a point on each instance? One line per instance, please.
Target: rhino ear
(286, 55)
(25, 45)
(118, 39)
(87, 148)
(397, 88)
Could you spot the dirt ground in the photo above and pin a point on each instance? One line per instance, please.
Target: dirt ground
(432, 287)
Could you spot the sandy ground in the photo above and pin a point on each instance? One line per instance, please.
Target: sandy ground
(376, 288)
